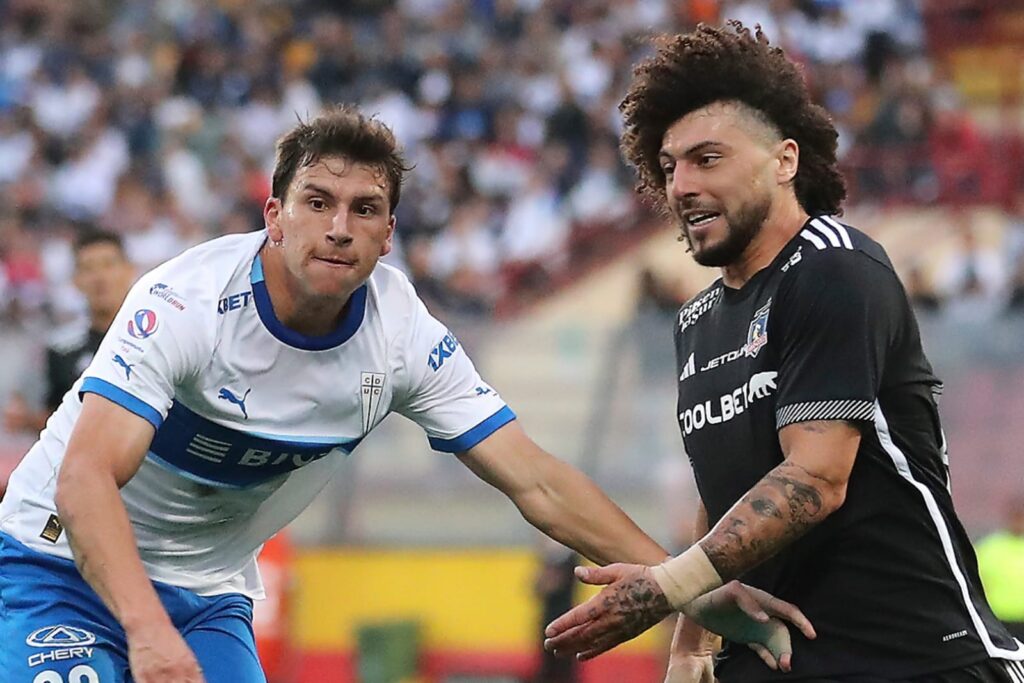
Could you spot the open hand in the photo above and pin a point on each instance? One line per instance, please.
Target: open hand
(744, 614)
(630, 604)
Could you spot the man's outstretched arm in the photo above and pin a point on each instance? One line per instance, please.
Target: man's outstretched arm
(559, 500)
(567, 506)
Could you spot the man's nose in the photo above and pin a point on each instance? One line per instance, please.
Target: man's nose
(683, 186)
(339, 232)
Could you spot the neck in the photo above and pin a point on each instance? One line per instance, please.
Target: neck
(314, 316)
(784, 221)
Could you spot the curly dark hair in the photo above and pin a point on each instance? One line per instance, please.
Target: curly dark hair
(731, 63)
(345, 132)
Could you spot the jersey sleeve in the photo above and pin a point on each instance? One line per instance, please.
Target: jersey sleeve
(444, 393)
(836, 318)
(151, 347)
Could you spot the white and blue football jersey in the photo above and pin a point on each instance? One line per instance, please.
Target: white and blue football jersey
(251, 418)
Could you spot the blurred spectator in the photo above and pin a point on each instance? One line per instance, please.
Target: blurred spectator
(920, 292)
(601, 195)
(157, 120)
(1015, 301)
(975, 274)
(465, 258)
(554, 586)
(103, 275)
(536, 230)
(1001, 564)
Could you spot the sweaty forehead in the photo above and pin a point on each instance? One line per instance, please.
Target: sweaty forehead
(723, 122)
(342, 174)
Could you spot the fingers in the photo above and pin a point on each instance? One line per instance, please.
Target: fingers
(577, 616)
(777, 607)
(599, 576)
(786, 662)
(765, 655)
(746, 602)
(778, 641)
(792, 614)
(557, 645)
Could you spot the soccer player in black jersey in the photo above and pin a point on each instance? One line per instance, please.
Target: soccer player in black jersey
(806, 404)
(103, 274)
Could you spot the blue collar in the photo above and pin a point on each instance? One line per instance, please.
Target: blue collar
(351, 316)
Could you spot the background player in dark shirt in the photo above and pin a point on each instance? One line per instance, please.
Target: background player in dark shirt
(103, 274)
(807, 407)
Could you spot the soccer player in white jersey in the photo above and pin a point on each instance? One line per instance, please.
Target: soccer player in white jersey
(233, 383)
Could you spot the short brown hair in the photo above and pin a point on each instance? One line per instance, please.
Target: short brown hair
(729, 64)
(345, 132)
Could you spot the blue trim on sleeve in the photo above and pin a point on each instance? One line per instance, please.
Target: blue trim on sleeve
(112, 392)
(475, 435)
(351, 316)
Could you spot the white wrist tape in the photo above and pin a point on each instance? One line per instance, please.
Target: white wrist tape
(686, 577)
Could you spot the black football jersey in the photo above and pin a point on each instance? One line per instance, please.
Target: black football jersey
(66, 360)
(826, 332)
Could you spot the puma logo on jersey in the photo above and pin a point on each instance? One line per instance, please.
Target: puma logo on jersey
(728, 406)
(225, 394)
(126, 365)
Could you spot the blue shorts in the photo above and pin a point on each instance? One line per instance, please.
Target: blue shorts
(55, 629)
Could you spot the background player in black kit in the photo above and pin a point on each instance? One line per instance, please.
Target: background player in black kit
(103, 274)
(806, 404)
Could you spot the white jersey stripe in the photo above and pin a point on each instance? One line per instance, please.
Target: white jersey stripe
(1013, 670)
(827, 232)
(844, 234)
(899, 459)
(814, 239)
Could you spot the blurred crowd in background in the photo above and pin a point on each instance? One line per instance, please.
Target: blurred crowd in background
(157, 120)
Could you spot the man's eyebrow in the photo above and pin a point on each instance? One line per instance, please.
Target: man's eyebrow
(692, 149)
(316, 189)
(373, 196)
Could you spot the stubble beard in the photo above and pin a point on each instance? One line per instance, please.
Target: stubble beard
(741, 229)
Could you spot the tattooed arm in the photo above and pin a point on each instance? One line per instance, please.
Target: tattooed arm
(787, 502)
(808, 486)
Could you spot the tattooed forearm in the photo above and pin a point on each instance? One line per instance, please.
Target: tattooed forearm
(780, 508)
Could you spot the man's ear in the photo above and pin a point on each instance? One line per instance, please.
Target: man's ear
(272, 218)
(389, 243)
(788, 158)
